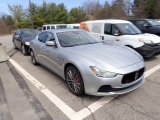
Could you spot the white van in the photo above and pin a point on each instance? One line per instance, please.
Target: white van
(123, 32)
(74, 26)
(54, 26)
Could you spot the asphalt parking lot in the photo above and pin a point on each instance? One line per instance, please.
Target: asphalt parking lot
(29, 92)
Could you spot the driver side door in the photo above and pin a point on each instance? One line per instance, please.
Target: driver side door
(51, 58)
(111, 33)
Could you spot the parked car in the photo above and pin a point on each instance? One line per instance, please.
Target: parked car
(123, 32)
(158, 20)
(87, 64)
(147, 26)
(54, 26)
(22, 37)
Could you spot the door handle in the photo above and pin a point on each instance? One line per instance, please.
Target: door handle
(102, 37)
(117, 39)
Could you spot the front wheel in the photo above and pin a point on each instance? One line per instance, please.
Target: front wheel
(33, 58)
(14, 44)
(74, 81)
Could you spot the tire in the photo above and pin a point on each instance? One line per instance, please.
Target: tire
(33, 58)
(14, 44)
(74, 81)
(24, 50)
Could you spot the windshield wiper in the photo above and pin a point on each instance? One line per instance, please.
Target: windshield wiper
(80, 44)
(90, 43)
(72, 45)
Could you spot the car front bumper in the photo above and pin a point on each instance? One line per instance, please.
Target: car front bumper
(112, 86)
(148, 50)
(27, 47)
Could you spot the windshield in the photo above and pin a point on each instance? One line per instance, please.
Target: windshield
(154, 22)
(61, 26)
(30, 32)
(75, 38)
(128, 29)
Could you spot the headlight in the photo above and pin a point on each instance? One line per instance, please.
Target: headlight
(102, 73)
(145, 41)
(27, 43)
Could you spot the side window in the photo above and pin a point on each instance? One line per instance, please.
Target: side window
(48, 27)
(75, 27)
(42, 37)
(52, 27)
(142, 23)
(115, 30)
(49, 36)
(44, 27)
(17, 32)
(107, 29)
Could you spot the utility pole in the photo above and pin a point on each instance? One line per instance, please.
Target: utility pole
(31, 13)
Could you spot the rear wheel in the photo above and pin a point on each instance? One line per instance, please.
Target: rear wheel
(74, 80)
(33, 58)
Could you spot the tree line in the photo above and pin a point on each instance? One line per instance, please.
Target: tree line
(51, 13)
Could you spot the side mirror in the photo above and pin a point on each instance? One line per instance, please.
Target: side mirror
(116, 33)
(50, 43)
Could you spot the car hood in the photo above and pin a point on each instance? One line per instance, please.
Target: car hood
(147, 37)
(28, 38)
(107, 55)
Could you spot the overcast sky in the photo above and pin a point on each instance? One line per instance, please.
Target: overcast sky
(68, 3)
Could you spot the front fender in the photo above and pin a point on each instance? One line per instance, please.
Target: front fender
(81, 63)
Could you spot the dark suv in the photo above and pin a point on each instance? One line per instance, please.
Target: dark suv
(147, 26)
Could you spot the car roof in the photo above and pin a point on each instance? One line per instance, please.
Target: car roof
(63, 30)
(108, 21)
(139, 19)
(53, 24)
(27, 29)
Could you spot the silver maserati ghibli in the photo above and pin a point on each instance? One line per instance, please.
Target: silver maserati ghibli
(88, 65)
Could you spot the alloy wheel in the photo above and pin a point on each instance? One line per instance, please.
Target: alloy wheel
(33, 58)
(74, 81)
(14, 44)
(24, 50)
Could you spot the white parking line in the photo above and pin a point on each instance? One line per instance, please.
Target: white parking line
(53, 98)
(151, 71)
(68, 111)
(91, 108)
(98, 104)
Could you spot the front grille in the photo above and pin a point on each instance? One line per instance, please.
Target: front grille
(108, 88)
(128, 78)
